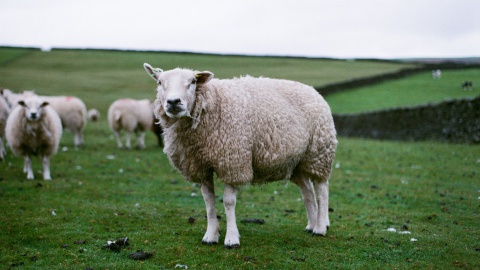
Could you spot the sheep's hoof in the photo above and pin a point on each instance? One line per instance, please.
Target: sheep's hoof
(318, 234)
(235, 246)
(308, 230)
(209, 243)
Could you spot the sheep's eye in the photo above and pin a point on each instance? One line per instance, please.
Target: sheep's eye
(194, 81)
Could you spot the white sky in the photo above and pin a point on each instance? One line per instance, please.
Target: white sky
(316, 28)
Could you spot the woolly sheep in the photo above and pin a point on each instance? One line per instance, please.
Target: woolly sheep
(93, 115)
(246, 130)
(4, 112)
(132, 116)
(72, 111)
(73, 114)
(34, 128)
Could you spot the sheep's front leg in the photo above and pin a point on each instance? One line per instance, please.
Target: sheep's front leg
(309, 200)
(232, 238)
(27, 168)
(213, 229)
(46, 168)
(78, 138)
(323, 222)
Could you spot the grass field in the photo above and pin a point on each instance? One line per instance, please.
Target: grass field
(100, 193)
(415, 90)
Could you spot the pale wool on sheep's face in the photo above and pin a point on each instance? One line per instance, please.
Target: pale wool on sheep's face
(178, 95)
(33, 108)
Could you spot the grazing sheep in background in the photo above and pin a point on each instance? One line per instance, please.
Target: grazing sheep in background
(4, 112)
(467, 85)
(436, 74)
(246, 130)
(34, 128)
(132, 116)
(158, 131)
(73, 114)
(93, 115)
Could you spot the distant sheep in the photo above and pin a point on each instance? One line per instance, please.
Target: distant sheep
(467, 85)
(132, 116)
(246, 130)
(436, 74)
(34, 128)
(4, 112)
(93, 115)
(73, 114)
(72, 111)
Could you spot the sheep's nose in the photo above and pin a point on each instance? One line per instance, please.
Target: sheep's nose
(173, 102)
(33, 115)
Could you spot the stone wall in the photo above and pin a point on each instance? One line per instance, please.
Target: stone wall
(456, 121)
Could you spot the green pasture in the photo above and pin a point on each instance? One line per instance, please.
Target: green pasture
(100, 193)
(414, 90)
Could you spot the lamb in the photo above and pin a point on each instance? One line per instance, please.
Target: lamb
(246, 130)
(34, 128)
(4, 112)
(132, 116)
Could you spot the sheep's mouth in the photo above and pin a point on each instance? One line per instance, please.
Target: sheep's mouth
(175, 111)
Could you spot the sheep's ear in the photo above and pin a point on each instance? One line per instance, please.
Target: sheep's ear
(203, 76)
(45, 103)
(153, 72)
(21, 103)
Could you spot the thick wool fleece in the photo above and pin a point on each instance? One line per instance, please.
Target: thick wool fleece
(252, 130)
(27, 138)
(130, 115)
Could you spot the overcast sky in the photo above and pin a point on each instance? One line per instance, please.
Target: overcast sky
(316, 28)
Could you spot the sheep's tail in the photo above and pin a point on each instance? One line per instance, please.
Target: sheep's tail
(117, 115)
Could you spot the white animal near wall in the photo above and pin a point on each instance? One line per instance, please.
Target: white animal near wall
(131, 116)
(34, 128)
(248, 131)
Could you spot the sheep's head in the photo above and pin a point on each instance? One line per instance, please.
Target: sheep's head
(176, 89)
(33, 107)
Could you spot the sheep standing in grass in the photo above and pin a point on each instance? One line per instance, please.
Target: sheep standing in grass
(72, 111)
(131, 116)
(93, 115)
(4, 112)
(73, 114)
(34, 128)
(246, 130)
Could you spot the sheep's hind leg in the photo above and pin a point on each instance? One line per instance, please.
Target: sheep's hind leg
(232, 238)
(309, 200)
(119, 139)
(27, 168)
(46, 168)
(128, 135)
(140, 144)
(323, 221)
(78, 138)
(213, 229)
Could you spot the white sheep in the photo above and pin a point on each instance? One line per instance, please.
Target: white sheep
(246, 130)
(73, 114)
(72, 111)
(93, 115)
(132, 116)
(4, 112)
(34, 128)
